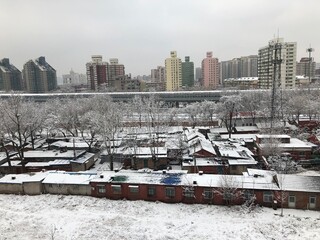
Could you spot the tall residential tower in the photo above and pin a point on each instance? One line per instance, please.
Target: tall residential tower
(284, 53)
(10, 76)
(210, 72)
(39, 76)
(97, 73)
(173, 72)
(187, 73)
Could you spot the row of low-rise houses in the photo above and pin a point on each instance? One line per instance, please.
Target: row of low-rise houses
(209, 150)
(208, 168)
(265, 188)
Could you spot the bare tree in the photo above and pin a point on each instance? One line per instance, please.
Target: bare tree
(281, 195)
(193, 110)
(66, 114)
(37, 116)
(156, 124)
(208, 109)
(227, 111)
(251, 103)
(16, 122)
(137, 108)
(230, 189)
(108, 117)
(296, 107)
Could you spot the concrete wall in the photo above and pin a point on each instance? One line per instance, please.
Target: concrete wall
(32, 188)
(11, 188)
(67, 189)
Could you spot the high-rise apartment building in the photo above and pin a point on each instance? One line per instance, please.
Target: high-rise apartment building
(97, 73)
(161, 74)
(173, 72)
(74, 78)
(10, 76)
(154, 75)
(187, 68)
(239, 67)
(305, 67)
(116, 71)
(210, 72)
(198, 75)
(284, 53)
(39, 76)
(157, 79)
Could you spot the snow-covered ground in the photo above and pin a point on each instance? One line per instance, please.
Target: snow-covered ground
(78, 217)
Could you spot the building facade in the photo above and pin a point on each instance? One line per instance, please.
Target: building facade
(306, 67)
(39, 76)
(173, 72)
(10, 76)
(116, 71)
(187, 73)
(277, 63)
(74, 78)
(198, 76)
(210, 72)
(158, 79)
(97, 73)
(239, 67)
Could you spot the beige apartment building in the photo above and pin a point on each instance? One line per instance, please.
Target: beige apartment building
(173, 72)
(285, 75)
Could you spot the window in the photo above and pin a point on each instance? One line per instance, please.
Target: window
(267, 197)
(208, 194)
(151, 191)
(101, 188)
(116, 189)
(292, 199)
(248, 195)
(170, 192)
(312, 200)
(189, 192)
(133, 189)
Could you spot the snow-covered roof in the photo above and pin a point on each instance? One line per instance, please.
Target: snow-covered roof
(236, 162)
(295, 143)
(244, 137)
(273, 136)
(13, 163)
(70, 144)
(52, 154)
(50, 163)
(201, 162)
(140, 151)
(178, 178)
(293, 182)
(21, 178)
(247, 128)
(194, 134)
(83, 158)
(233, 150)
(201, 144)
(219, 130)
(69, 178)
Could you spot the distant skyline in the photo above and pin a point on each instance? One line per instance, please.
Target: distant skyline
(141, 33)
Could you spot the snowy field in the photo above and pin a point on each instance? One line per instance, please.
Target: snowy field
(76, 217)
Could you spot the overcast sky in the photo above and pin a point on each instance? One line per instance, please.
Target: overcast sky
(141, 33)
